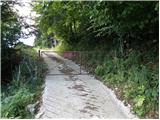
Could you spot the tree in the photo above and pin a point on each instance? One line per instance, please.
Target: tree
(131, 25)
(10, 33)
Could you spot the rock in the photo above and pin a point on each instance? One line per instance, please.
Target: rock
(43, 86)
(32, 107)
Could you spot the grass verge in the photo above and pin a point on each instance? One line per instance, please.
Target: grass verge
(25, 86)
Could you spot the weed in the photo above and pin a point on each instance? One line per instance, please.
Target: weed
(25, 86)
(140, 82)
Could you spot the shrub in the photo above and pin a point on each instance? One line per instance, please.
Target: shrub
(14, 106)
(25, 86)
(139, 81)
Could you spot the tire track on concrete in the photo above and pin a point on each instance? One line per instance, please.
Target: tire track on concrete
(77, 96)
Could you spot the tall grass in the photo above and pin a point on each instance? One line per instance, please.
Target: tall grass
(139, 81)
(25, 86)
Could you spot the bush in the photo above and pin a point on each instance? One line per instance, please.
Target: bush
(15, 106)
(139, 81)
(63, 46)
(25, 86)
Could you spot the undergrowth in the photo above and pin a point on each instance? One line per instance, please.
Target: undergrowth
(139, 81)
(63, 46)
(25, 85)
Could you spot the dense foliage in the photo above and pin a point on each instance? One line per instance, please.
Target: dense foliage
(25, 86)
(126, 32)
(10, 33)
(90, 23)
(137, 83)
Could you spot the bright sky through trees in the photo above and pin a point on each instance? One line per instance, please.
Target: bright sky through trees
(26, 11)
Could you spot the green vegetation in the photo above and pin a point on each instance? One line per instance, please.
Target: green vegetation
(22, 71)
(25, 87)
(10, 33)
(138, 83)
(124, 36)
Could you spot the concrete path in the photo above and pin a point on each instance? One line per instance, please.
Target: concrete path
(76, 96)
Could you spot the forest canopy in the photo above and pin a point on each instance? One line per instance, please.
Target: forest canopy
(97, 23)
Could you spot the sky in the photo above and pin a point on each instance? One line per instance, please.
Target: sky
(26, 11)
